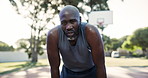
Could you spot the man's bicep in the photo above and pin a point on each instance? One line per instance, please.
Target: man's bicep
(52, 51)
(94, 39)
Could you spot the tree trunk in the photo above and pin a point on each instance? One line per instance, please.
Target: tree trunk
(34, 53)
(34, 57)
(34, 50)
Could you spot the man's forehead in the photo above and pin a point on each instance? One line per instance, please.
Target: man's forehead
(67, 18)
(66, 12)
(69, 12)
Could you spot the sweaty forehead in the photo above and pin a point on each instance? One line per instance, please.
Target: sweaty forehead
(69, 11)
(67, 14)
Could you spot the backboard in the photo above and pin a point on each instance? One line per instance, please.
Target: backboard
(101, 17)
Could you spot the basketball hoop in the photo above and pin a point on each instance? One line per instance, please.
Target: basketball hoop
(100, 21)
(101, 17)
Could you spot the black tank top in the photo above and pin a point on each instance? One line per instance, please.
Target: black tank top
(76, 58)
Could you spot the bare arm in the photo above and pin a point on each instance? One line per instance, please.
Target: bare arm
(96, 44)
(53, 53)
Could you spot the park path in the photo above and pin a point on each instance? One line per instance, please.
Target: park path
(112, 72)
(127, 72)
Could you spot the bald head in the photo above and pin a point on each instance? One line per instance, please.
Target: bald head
(70, 10)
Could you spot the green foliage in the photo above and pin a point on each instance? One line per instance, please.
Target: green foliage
(134, 54)
(137, 41)
(115, 43)
(129, 46)
(107, 42)
(112, 44)
(5, 47)
(122, 40)
(139, 37)
(24, 44)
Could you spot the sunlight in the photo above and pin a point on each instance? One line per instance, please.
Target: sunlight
(127, 17)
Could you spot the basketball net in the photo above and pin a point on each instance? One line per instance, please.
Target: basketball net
(100, 21)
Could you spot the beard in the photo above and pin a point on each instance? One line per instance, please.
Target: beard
(71, 34)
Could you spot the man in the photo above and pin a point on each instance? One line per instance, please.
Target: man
(80, 46)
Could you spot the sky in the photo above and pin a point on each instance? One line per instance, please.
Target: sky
(127, 17)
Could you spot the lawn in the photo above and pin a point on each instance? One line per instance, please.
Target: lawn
(19, 66)
(126, 61)
(10, 67)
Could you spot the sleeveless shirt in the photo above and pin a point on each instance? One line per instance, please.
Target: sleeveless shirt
(76, 58)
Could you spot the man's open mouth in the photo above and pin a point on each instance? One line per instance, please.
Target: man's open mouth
(70, 34)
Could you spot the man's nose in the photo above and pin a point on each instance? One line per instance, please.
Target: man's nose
(68, 26)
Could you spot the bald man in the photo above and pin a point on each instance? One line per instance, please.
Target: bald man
(80, 46)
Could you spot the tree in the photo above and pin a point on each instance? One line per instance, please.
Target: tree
(24, 44)
(139, 39)
(114, 44)
(5, 47)
(128, 45)
(39, 12)
(122, 40)
(107, 42)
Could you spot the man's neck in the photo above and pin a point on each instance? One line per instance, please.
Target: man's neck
(73, 42)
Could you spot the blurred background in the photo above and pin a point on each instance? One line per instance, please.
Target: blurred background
(24, 25)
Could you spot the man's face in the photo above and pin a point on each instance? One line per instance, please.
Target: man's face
(69, 25)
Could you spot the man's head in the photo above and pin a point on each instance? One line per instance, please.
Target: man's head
(70, 20)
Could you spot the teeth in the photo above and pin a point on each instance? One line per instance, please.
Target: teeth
(70, 34)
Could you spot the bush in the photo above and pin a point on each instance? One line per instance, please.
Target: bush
(137, 55)
(5, 47)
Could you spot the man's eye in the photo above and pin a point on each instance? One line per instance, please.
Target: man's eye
(63, 22)
(73, 21)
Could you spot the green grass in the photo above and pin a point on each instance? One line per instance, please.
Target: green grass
(126, 61)
(6, 68)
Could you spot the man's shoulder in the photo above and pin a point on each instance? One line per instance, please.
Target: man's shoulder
(90, 27)
(53, 31)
